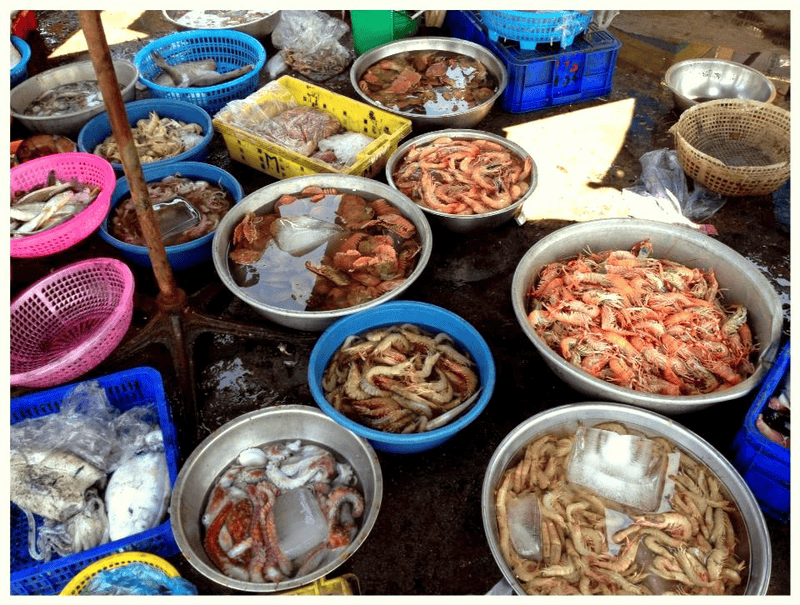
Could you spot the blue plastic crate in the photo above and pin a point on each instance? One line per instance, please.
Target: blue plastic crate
(125, 390)
(530, 28)
(538, 79)
(764, 464)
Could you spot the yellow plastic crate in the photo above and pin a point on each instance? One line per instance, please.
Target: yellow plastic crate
(257, 152)
(344, 585)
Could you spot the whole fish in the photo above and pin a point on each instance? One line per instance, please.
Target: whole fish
(194, 73)
(137, 495)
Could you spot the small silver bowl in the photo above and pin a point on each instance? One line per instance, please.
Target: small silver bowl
(68, 124)
(739, 279)
(218, 450)
(698, 80)
(751, 529)
(257, 28)
(471, 222)
(460, 119)
(263, 200)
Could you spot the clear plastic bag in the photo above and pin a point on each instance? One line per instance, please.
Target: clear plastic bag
(663, 178)
(346, 146)
(309, 43)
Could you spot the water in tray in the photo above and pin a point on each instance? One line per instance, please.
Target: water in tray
(299, 522)
(525, 525)
(626, 469)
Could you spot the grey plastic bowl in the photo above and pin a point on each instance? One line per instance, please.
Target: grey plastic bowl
(218, 450)
(754, 545)
(460, 119)
(697, 80)
(472, 222)
(67, 123)
(739, 279)
(262, 201)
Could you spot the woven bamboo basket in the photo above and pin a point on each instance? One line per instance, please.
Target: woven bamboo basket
(735, 147)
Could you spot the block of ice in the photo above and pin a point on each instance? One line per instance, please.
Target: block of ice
(299, 522)
(626, 469)
(525, 525)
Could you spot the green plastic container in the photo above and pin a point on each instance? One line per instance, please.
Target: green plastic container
(374, 28)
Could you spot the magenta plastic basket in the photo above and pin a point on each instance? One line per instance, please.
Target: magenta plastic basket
(84, 167)
(68, 322)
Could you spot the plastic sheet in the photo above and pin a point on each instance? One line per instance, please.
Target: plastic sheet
(309, 43)
(137, 578)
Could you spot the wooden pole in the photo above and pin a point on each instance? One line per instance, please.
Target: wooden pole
(120, 127)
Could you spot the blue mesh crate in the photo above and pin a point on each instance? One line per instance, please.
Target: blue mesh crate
(544, 78)
(229, 48)
(764, 464)
(530, 28)
(125, 390)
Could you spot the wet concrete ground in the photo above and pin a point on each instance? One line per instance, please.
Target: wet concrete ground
(429, 537)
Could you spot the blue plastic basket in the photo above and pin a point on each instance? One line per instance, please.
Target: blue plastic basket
(764, 464)
(96, 130)
(230, 49)
(125, 390)
(180, 256)
(541, 78)
(20, 71)
(530, 28)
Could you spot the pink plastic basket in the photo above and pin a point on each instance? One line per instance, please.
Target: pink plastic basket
(68, 322)
(84, 167)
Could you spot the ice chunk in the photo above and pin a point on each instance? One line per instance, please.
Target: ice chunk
(299, 522)
(626, 469)
(525, 525)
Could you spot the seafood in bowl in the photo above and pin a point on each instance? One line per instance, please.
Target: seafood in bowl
(281, 510)
(462, 172)
(401, 379)
(645, 323)
(323, 249)
(565, 512)
(429, 82)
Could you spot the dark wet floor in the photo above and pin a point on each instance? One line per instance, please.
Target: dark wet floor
(429, 537)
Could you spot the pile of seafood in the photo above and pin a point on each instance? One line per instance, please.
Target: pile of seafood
(246, 521)
(66, 98)
(88, 474)
(216, 19)
(690, 548)
(463, 176)
(196, 74)
(401, 379)
(323, 249)
(652, 325)
(48, 205)
(211, 202)
(155, 138)
(39, 145)
(428, 82)
(774, 420)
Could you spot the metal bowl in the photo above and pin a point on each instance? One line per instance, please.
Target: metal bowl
(218, 450)
(461, 119)
(472, 222)
(257, 28)
(263, 200)
(739, 279)
(697, 80)
(754, 545)
(67, 123)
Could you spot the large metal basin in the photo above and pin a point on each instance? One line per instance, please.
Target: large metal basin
(263, 200)
(67, 123)
(471, 222)
(460, 119)
(697, 80)
(256, 428)
(739, 280)
(751, 529)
